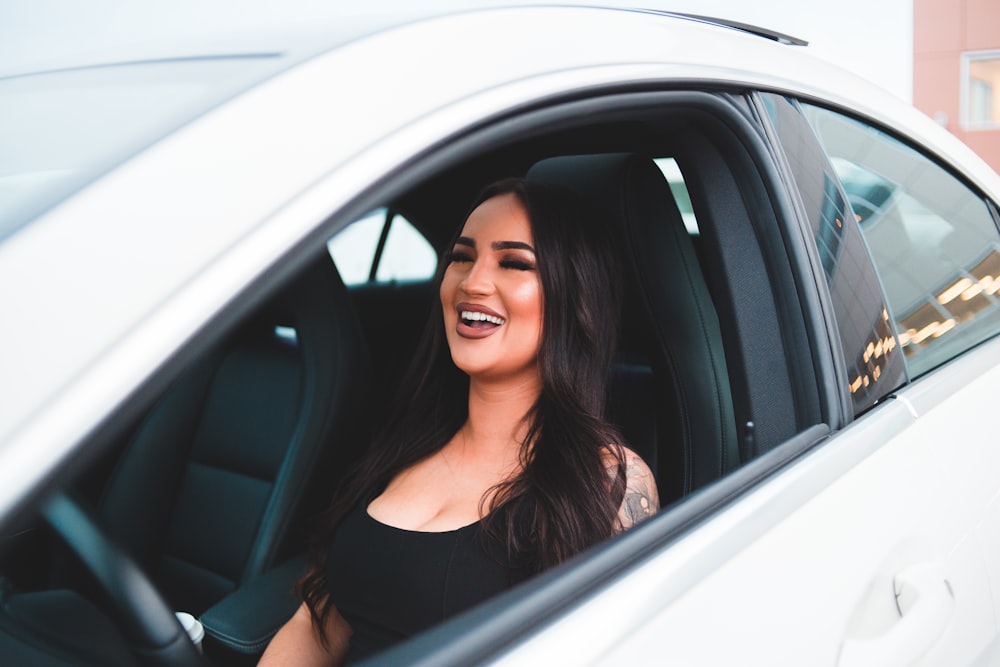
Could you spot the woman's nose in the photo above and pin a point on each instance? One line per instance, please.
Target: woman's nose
(479, 279)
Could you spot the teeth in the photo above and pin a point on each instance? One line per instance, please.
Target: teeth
(481, 317)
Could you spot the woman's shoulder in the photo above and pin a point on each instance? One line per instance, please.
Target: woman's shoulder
(641, 498)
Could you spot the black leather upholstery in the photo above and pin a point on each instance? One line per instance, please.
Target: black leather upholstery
(59, 628)
(693, 423)
(209, 485)
(246, 621)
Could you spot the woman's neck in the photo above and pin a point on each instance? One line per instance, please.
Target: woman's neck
(497, 414)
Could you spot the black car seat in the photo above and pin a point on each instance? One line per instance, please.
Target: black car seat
(671, 393)
(212, 481)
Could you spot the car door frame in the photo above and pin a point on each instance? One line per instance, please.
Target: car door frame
(600, 609)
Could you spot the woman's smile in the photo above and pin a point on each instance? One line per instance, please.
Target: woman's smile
(476, 321)
(491, 294)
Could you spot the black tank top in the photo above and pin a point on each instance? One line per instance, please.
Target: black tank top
(389, 583)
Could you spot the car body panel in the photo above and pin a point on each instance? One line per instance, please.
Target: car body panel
(891, 491)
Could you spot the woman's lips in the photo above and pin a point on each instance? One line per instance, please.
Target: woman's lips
(477, 321)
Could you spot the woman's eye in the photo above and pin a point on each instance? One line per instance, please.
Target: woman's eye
(456, 256)
(519, 264)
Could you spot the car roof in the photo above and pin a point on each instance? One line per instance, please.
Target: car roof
(258, 42)
(32, 41)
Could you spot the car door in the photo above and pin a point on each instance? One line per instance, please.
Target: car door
(879, 546)
(933, 239)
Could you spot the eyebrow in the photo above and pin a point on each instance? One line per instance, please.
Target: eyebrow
(496, 245)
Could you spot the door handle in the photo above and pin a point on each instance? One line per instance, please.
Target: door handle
(925, 602)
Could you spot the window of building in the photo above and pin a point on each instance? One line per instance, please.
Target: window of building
(981, 90)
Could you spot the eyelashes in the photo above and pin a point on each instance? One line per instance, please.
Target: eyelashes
(460, 257)
(517, 264)
(456, 256)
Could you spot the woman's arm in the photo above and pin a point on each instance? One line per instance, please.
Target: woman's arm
(297, 643)
(641, 499)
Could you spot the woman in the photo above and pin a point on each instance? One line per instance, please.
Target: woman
(497, 462)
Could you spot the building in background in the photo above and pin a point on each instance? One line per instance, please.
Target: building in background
(956, 69)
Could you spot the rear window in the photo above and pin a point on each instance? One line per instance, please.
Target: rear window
(382, 247)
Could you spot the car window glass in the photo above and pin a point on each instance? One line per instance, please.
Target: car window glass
(933, 240)
(871, 352)
(405, 253)
(672, 172)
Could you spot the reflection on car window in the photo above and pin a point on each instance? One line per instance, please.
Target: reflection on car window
(933, 240)
(871, 350)
(382, 247)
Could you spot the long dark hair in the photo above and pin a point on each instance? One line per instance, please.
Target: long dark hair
(564, 499)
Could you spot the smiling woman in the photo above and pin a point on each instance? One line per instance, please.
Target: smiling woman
(497, 463)
(491, 295)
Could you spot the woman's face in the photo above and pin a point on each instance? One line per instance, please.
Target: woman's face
(492, 296)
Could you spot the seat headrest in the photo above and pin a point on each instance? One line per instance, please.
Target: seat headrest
(675, 301)
(629, 189)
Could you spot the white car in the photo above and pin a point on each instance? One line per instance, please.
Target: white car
(810, 361)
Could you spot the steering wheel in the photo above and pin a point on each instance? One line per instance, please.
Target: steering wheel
(145, 619)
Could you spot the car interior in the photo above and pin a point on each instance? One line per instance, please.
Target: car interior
(208, 480)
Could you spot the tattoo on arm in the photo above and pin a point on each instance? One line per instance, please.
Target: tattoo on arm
(641, 499)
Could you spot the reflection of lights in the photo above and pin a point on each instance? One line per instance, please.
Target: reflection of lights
(838, 222)
(924, 333)
(935, 329)
(874, 358)
(945, 327)
(972, 292)
(876, 349)
(949, 294)
(990, 284)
